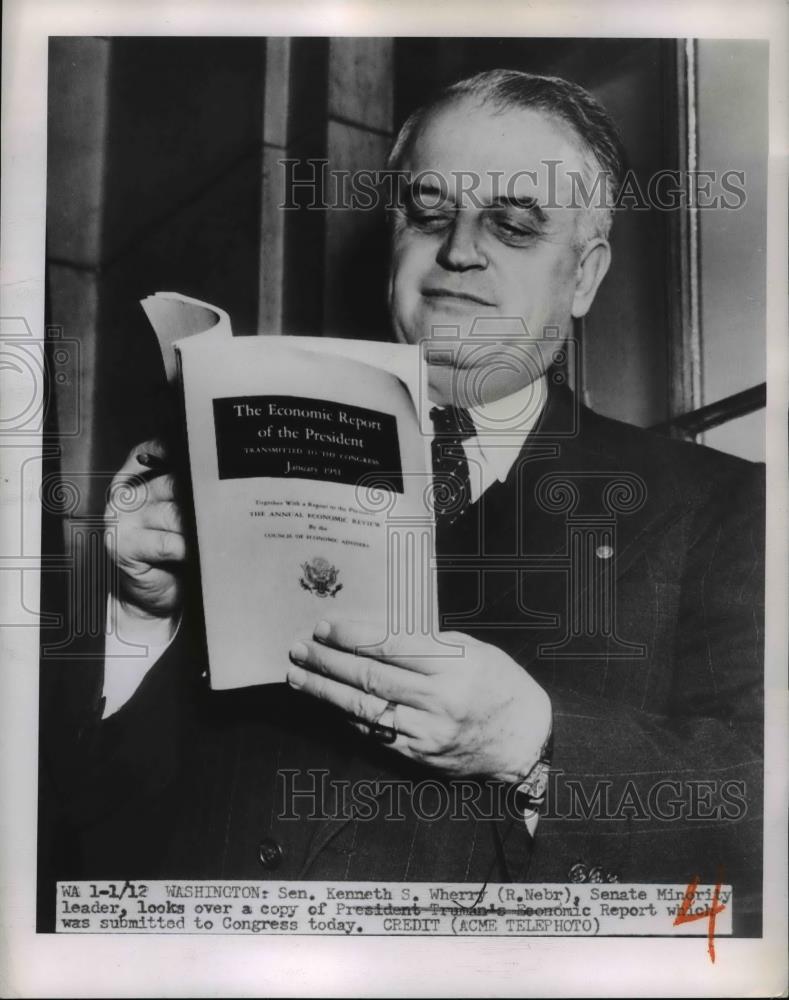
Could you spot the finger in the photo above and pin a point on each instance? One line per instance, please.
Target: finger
(447, 764)
(161, 487)
(164, 515)
(460, 639)
(131, 495)
(365, 707)
(152, 484)
(135, 494)
(144, 454)
(154, 547)
(400, 744)
(145, 465)
(407, 721)
(371, 677)
(411, 725)
(417, 653)
(156, 585)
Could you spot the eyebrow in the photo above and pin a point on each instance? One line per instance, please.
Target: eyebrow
(523, 202)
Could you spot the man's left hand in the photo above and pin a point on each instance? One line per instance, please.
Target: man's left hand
(462, 706)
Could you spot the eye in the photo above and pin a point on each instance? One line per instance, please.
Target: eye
(511, 232)
(513, 225)
(428, 220)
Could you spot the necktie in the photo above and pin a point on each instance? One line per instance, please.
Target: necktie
(451, 482)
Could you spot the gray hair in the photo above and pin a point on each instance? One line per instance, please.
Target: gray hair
(597, 135)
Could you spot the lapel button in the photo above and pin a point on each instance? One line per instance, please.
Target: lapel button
(578, 872)
(270, 853)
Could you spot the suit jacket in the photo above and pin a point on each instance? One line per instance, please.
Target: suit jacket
(622, 569)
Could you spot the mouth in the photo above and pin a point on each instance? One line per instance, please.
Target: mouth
(446, 295)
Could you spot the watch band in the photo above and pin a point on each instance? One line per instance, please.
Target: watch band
(531, 792)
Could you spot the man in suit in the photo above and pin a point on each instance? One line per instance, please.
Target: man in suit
(601, 584)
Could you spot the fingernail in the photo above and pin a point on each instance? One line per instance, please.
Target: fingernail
(296, 677)
(298, 652)
(149, 460)
(322, 630)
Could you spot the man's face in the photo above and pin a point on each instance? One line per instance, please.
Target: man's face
(487, 261)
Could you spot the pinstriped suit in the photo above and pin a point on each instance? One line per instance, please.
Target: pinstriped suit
(660, 682)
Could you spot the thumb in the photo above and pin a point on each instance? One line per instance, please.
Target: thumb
(150, 454)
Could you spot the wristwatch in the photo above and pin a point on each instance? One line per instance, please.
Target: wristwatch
(532, 790)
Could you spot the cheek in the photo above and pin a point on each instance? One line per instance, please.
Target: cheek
(539, 288)
(411, 260)
(402, 294)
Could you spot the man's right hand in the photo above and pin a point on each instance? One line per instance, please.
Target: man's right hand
(144, 535)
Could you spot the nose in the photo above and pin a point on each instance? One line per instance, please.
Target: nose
(460, 250)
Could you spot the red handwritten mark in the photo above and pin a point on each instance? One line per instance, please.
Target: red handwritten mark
(710, 913)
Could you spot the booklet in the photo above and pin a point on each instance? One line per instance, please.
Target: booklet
(310, 474)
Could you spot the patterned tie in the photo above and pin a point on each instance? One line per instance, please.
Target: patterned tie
(452, 485)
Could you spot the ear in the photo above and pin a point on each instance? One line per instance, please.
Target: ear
(592, 266)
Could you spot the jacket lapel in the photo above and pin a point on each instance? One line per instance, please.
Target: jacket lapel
(570, 520)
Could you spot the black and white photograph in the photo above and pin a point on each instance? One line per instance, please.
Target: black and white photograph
(399, 448)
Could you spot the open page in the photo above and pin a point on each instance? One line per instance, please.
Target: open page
(309, 475)
(174, 316)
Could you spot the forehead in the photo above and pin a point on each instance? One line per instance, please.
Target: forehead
(496, 147)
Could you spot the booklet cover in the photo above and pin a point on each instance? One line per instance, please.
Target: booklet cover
(310, 477)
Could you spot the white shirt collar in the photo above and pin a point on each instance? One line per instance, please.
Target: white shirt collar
(503, 425)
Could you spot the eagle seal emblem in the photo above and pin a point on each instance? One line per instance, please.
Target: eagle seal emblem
(320, 577)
